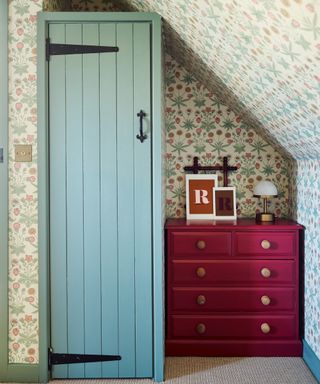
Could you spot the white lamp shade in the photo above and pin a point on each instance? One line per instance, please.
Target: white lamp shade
(265, 188)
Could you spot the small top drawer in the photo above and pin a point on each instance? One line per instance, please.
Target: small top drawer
(200, 243)
(265, 244)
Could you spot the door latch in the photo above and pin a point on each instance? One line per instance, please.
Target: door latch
(142, 136)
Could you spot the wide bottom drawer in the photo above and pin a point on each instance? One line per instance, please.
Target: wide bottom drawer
(262, 327)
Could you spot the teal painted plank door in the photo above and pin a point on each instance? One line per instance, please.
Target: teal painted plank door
(100, 200)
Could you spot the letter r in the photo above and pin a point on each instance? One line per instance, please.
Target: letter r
(201, 196)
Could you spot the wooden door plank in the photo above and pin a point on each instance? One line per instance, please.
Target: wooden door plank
(74, 197)
(142, 193)
(109, 219)
(58, 224)
(91, 200)
(125, 137)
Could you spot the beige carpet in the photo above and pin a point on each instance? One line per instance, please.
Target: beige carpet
(223, 370)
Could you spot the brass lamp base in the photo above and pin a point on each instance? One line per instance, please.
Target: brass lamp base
(265, 217)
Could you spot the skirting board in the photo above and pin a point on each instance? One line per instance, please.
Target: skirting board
(311, 360)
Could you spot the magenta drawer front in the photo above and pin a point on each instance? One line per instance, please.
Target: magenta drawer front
(232, 299)
(200, 244)
(266, 272)
(265, 244)
(263, 327)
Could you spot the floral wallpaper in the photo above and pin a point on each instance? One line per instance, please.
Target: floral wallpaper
(198, 124)
(23, 231)
(258, 60)
(307, 212)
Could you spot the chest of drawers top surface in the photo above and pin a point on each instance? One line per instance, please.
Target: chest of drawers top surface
(240, 224)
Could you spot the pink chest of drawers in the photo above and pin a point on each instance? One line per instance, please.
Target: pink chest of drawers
(232, 289)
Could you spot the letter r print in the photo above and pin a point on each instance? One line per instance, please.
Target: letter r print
(201, 196)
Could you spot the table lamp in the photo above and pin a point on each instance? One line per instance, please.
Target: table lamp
(265, 189)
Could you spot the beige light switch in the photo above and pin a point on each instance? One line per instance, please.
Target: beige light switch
(23, 152)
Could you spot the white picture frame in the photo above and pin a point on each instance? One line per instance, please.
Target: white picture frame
(199, 196)
(224, 203)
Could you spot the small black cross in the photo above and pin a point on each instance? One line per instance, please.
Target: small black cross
(196, 167)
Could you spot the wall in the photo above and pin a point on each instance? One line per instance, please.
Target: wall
(23, 230)
(198, 124)
(306, 174)
(23, 241)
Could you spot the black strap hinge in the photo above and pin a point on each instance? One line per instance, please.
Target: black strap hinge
(73, 49)
(73, 358)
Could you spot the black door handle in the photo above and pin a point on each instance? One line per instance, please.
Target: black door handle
(141, 135)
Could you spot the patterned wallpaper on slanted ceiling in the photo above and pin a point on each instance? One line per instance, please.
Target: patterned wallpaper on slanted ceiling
(260, 56)
(198, 124)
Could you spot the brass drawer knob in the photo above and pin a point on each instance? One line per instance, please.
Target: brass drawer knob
(201, 328)
(265, 300)
(265, 272)
(201, 244)
(201, 272)
(265, 244)
(265, 328)
(201, 299)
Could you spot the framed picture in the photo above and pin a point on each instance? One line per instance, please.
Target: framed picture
(199, 195)
(224, 203)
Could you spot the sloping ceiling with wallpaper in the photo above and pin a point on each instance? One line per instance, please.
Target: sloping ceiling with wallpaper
(262, 57)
